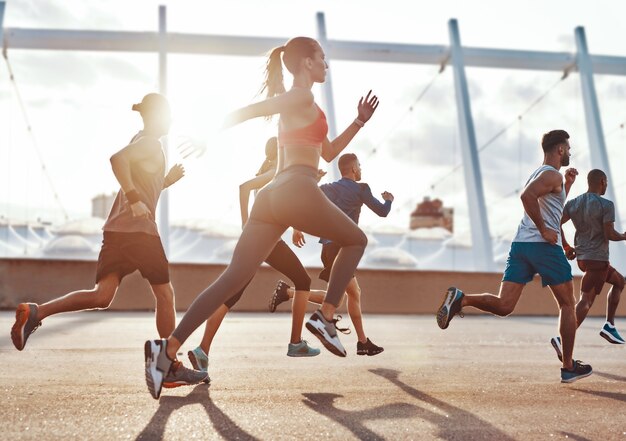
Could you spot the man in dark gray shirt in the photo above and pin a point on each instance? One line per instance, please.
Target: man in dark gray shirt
(593, 217)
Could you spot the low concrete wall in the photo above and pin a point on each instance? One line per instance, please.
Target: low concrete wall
(384, 291)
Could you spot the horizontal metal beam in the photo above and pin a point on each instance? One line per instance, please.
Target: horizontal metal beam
(118, 41)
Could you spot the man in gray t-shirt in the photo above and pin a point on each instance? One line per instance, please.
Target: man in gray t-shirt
(594, 217)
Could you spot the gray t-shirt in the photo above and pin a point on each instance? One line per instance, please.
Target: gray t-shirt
(589, 212)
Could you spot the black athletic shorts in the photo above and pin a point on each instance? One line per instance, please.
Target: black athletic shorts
(123, 253)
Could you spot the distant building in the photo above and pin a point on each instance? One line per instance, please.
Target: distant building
(432, 213)
(101, 205)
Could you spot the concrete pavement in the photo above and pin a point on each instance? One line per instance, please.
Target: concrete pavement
(81, 377)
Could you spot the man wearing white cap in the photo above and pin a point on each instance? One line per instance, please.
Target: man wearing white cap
(131, 239)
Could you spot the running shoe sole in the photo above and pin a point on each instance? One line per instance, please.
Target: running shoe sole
(443, 313)
(154, 375)
(556, 347)
(174, 384)
(318, 329)
(370, 353)
(302, 354)
(274, 300)
(194, 362)
(22, 314)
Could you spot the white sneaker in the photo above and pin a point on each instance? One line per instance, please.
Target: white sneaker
(157, 365)
(326, 332)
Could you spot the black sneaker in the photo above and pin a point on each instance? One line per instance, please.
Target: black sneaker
(279, 296)
(579, 371)
(368, 348)
(450, 307)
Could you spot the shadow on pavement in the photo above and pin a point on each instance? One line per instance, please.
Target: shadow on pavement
(323, 403)
(455, 423)
(227, 428)
(573, 436)
(609, 376)
(600, 393)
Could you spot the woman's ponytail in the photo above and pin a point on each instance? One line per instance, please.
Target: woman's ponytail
(274, 73)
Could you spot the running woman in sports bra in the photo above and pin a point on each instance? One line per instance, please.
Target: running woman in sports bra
(282, 259)
(291, 199)
(131, 240)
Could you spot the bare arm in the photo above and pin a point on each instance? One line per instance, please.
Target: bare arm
(174, 175)
(248, 186)
(365, 108)
(546, 182)
(570, 177)
(140, 150)
(291, 100)
(297, 237)
(569, 251)
(611, 234)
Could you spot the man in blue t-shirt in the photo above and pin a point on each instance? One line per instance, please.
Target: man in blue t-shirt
(349, 195)
(594, 217)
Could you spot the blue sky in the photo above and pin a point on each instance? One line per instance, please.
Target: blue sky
(79, 103)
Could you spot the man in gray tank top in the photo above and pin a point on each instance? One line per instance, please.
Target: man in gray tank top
(131, 240)
(593, 217)
(535, 249)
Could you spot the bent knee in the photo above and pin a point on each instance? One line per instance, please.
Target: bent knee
(102, 300)
(506, 310)
(163, 293)
(104, 292)
(303, 283)
(358, 240)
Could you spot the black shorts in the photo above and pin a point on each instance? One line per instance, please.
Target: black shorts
(329, 254)
(123, 253)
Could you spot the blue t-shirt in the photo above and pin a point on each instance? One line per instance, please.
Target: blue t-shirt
(350, 196)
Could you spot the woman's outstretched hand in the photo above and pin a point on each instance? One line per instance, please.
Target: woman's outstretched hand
(367, 106)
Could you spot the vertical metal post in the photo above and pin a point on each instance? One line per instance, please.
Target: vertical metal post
(2, 7)
(164, 209)
(327, 89)
(595, 133)
(479, 224)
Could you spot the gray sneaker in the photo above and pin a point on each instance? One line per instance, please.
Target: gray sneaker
(200, 361)
(157, 365)
(302, 349)
(180, 375)
(25, 324)
(326, 332)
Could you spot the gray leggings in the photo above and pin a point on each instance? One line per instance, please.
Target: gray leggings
(291, 199)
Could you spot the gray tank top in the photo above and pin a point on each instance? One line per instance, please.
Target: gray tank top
(551, 208)
(149, 186)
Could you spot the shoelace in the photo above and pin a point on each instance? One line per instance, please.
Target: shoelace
(342, 330)
(175, 366)
(35, 328)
